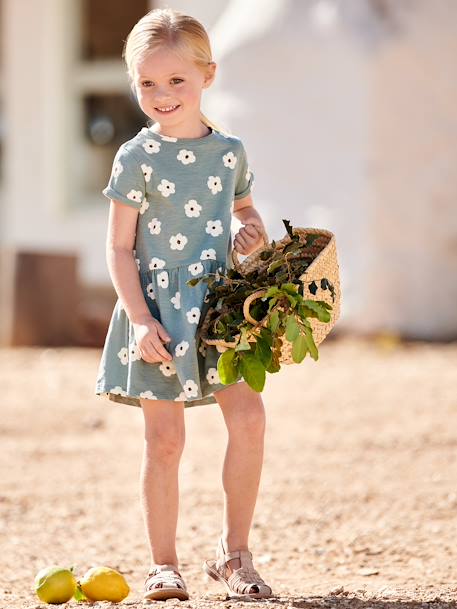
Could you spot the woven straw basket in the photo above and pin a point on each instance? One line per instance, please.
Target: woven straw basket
(324, 264)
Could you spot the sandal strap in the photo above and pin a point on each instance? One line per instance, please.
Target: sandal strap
(165, 574)
(244, 578)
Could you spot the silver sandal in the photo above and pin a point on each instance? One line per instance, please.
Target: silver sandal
(244, 581)
(164, 581)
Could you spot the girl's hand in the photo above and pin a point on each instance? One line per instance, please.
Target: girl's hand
(248, 239)
(149, 335)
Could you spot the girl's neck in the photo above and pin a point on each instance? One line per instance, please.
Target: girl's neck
(180, 132)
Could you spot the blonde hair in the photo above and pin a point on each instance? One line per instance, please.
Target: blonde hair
(170, 28)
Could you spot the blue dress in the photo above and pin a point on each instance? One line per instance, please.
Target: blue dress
(184, 189)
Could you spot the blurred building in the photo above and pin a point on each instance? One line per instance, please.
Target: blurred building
(348, 111)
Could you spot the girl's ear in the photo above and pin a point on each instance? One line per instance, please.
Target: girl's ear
(210, 74)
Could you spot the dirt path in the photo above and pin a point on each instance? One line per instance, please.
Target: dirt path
(358, 498)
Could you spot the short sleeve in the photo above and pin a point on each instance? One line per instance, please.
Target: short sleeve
(244, 177)
(126, 183)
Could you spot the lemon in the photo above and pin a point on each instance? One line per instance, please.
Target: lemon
(104, 584)
(55, 584)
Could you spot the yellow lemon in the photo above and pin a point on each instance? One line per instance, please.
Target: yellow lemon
(104, 584)
(55, 584)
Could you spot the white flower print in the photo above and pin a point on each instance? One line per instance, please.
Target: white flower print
(151, 146)
(137, 260)
(156, 263)
(167, 368)
(190, 388)
(186, 156)
(195, 268)
(209, 254)
(135, 195)
(214, 227)
(118, 390)
(123, 355)
(154, 226)
(147, 171)
(162, 279)
(181, 397)
(176, 300)
(168, 138)
(177, 242)
(202, 349)
(144, 206)
(229, 160)
(214, 184)
(193, 315)
(117, 169)
(181, 348)
(150, 291)
(166, 188)
(148, 395)
(134, 352)
(192, 208)
(213, 376)
(221, 349)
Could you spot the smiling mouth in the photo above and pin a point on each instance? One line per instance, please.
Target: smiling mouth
(167, 109)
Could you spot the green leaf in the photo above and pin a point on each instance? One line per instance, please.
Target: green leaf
(243, 345)
(79, 595)
(274, 321)
(270, 292)
(275, 265)
(266, 335)
(290, 288)
(274, 364)
(193, 282)
(321, 311)
(292, 299)
(253, 371)
(263, 351)
(311, 344)
(299, 349)
(271, 304)
(227, 368)
(292, 329)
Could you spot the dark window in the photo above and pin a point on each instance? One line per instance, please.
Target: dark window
(105, 25)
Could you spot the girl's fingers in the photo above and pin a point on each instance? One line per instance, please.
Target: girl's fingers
(252, 230)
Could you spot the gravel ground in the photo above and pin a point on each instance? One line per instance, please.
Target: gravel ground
(358, 497)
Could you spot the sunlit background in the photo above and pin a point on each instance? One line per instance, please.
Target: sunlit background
(348, 111)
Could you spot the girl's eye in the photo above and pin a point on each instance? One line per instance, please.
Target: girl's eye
(148, 82)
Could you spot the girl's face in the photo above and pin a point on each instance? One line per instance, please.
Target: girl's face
(163, 80)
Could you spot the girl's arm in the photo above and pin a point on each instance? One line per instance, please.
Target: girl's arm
(247, 240)
(121, 262)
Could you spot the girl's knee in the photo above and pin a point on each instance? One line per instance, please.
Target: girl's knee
(165, 441)
(248, 419)
(164, 426)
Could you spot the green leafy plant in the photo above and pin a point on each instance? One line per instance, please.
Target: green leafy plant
(281, 310)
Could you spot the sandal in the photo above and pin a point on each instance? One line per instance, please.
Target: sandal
(244, 581)
(164, 581)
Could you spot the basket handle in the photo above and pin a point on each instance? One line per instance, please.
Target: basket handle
(235, 254)
(247, 303)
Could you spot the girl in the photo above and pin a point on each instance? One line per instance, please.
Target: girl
(172, 190)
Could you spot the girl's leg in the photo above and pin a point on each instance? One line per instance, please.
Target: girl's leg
(244, 415)
(164, 440)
